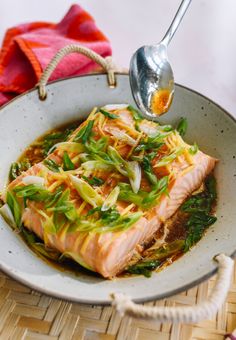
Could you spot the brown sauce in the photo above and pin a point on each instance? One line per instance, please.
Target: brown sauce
(34, 153)
(161, 101)
(176, 227)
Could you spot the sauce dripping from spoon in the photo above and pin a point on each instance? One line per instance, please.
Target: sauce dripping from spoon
(161, 100)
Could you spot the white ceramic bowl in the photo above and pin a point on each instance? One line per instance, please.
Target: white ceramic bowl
(214, 130)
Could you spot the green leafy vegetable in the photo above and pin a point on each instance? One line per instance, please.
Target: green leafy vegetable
(169, 158)
(137, 116)
(95, 181)
(122, 223)
(29, 236)
(136, 113)
(182, 126)
(167, 250)
(38, 193)
(144, 199)
(158, 137)
(14, 171)
(166, 128)
(97, 150)
(14, 207)
(199, 207)
(144, 268)
(67, 163)
(63, 210)
(129, 169)
(108, 114)
(85, 132)
(137, 158)
(56, 137)
(51, 165)
(33, 192)
(111, 199)
(17, 168)
(210, 183)
(196, 226)
(97, 165)
(147, 145)
(110, 221)
(152, 143)
(104, 158)
(107, 216)
(80, 134)
(110, 215)
(202, 202)
(53, 197)
(87, 192)
(197, 203)
(126, 194)
(147, 168)
(119, 163)
(149, 263)
(96, 146)
(193, 149)
(160, 188)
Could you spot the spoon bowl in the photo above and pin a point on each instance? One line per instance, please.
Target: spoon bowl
(150, 72)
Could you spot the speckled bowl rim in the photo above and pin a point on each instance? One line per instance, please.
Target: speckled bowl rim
(141, 300)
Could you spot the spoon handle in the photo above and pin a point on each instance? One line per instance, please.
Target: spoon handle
(176, 21)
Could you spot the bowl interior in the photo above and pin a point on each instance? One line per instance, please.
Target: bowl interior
(26, 118)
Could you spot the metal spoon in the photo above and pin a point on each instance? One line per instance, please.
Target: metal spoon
(151, 76)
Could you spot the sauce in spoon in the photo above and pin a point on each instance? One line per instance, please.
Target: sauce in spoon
(161, 100)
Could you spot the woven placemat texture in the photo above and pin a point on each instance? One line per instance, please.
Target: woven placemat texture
(26, 314)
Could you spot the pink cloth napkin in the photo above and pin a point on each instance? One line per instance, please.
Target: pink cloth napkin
(28, 48)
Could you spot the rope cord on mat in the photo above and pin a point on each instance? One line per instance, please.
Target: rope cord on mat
(106, 63)
(188, 314)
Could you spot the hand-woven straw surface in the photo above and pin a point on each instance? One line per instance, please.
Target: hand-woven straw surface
(26, 314)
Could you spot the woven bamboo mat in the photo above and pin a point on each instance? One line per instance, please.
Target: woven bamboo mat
(26, 314)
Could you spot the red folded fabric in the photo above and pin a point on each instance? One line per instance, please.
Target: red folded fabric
(28, 48)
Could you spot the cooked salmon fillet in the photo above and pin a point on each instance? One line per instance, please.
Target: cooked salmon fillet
(107, 190)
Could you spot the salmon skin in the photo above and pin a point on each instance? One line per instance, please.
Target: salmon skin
(108, 189)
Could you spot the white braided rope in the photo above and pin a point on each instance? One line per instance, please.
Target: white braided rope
(186, 314)
(105, 63)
